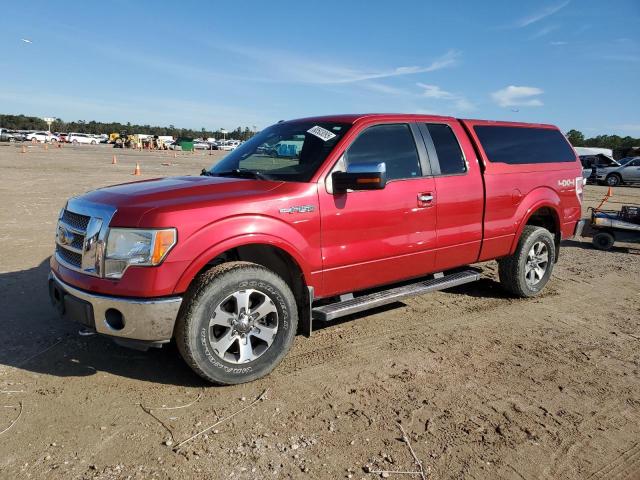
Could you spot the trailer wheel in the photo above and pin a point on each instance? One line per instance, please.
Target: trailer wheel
(237, 323)
(527, 271)
(603, 241)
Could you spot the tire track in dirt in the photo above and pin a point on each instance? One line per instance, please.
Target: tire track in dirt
(625, 467)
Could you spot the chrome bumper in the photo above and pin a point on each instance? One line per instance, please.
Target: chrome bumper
(148, 320)
(580, 227)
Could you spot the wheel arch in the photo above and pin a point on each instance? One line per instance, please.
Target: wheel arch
(271, 252)
(543, 211)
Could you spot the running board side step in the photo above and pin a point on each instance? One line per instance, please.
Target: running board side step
(326, 313)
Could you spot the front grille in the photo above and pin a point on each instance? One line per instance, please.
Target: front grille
(78, 241)
(65, 246)
(81, 234)
(76, 220)
(72, 258)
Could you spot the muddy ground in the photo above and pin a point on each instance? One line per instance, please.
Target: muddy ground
(486, 386)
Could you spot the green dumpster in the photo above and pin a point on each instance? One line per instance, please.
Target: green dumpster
(186, 144)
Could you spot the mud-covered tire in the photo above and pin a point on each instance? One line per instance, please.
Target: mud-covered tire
(194, 334)
(512, 269)
(603, 241)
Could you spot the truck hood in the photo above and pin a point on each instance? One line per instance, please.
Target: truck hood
(133, 200)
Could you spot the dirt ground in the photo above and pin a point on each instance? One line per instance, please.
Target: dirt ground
(486, 386)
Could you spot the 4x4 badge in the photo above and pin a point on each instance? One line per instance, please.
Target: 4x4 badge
(298, 209)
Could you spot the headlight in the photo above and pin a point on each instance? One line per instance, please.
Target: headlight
(129, 246)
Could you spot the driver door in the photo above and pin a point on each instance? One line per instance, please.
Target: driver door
(375, 237)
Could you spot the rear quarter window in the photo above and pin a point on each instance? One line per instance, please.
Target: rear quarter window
(524, 145)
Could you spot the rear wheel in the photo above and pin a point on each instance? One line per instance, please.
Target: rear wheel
(527, 271)
(237, 323)
(603, 240)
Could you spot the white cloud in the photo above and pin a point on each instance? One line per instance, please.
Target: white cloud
(287, 67)
(518, 96)
(435, 92)
(323, 73)
(558, 43)
(541, 14)
(544, 32)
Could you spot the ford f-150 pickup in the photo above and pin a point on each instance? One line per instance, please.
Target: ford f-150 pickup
(369, 209)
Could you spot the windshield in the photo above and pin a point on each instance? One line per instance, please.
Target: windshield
(285, 151)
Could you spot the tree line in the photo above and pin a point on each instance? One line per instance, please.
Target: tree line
(24, 122)
(614, 142)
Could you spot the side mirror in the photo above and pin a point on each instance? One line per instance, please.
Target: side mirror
(361, 176)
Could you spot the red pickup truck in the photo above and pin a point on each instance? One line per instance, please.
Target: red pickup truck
(313, 219)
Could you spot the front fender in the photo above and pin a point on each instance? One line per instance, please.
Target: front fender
(301, 242)
(536, 199)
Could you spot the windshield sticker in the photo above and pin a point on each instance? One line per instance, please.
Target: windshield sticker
(321, 133)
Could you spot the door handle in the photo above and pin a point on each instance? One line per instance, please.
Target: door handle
(425, 199)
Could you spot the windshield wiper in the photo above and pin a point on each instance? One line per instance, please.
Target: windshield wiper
(240, 173)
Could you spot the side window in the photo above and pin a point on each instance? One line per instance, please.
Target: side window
(634, 163)
(448, 149)
(392, 144)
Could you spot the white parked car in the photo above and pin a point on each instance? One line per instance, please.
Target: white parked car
(82, 138)
(228, 145)
(41, 137)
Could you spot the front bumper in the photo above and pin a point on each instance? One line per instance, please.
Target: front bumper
(146, 320)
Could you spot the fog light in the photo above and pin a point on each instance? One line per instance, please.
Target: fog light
(114, 319)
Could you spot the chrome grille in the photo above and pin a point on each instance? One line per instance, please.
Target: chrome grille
(75, 220)
(81, 236)
(69, 257)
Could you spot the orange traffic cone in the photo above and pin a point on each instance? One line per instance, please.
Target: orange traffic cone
(46, 147)
(175, 155)
(114, 161)
(610, 192)
(24, 149)
(137, 170)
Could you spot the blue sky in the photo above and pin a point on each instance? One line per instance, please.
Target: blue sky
(204, 64)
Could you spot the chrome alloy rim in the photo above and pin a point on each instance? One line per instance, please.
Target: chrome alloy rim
(536, 263)
(243, 326)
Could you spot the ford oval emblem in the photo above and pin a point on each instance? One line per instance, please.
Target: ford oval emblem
(65, 237)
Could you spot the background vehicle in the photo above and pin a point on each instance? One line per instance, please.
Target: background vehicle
(6, 136)
(82, 138)
(372, 209)
(201, 145)
(45, 137)
(590, 163)
(626, 171)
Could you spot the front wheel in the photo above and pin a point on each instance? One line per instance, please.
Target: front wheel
(613, 180)
(527, 271)
(237, 323)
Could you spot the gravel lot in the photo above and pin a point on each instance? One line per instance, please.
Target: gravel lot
(486, 386)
